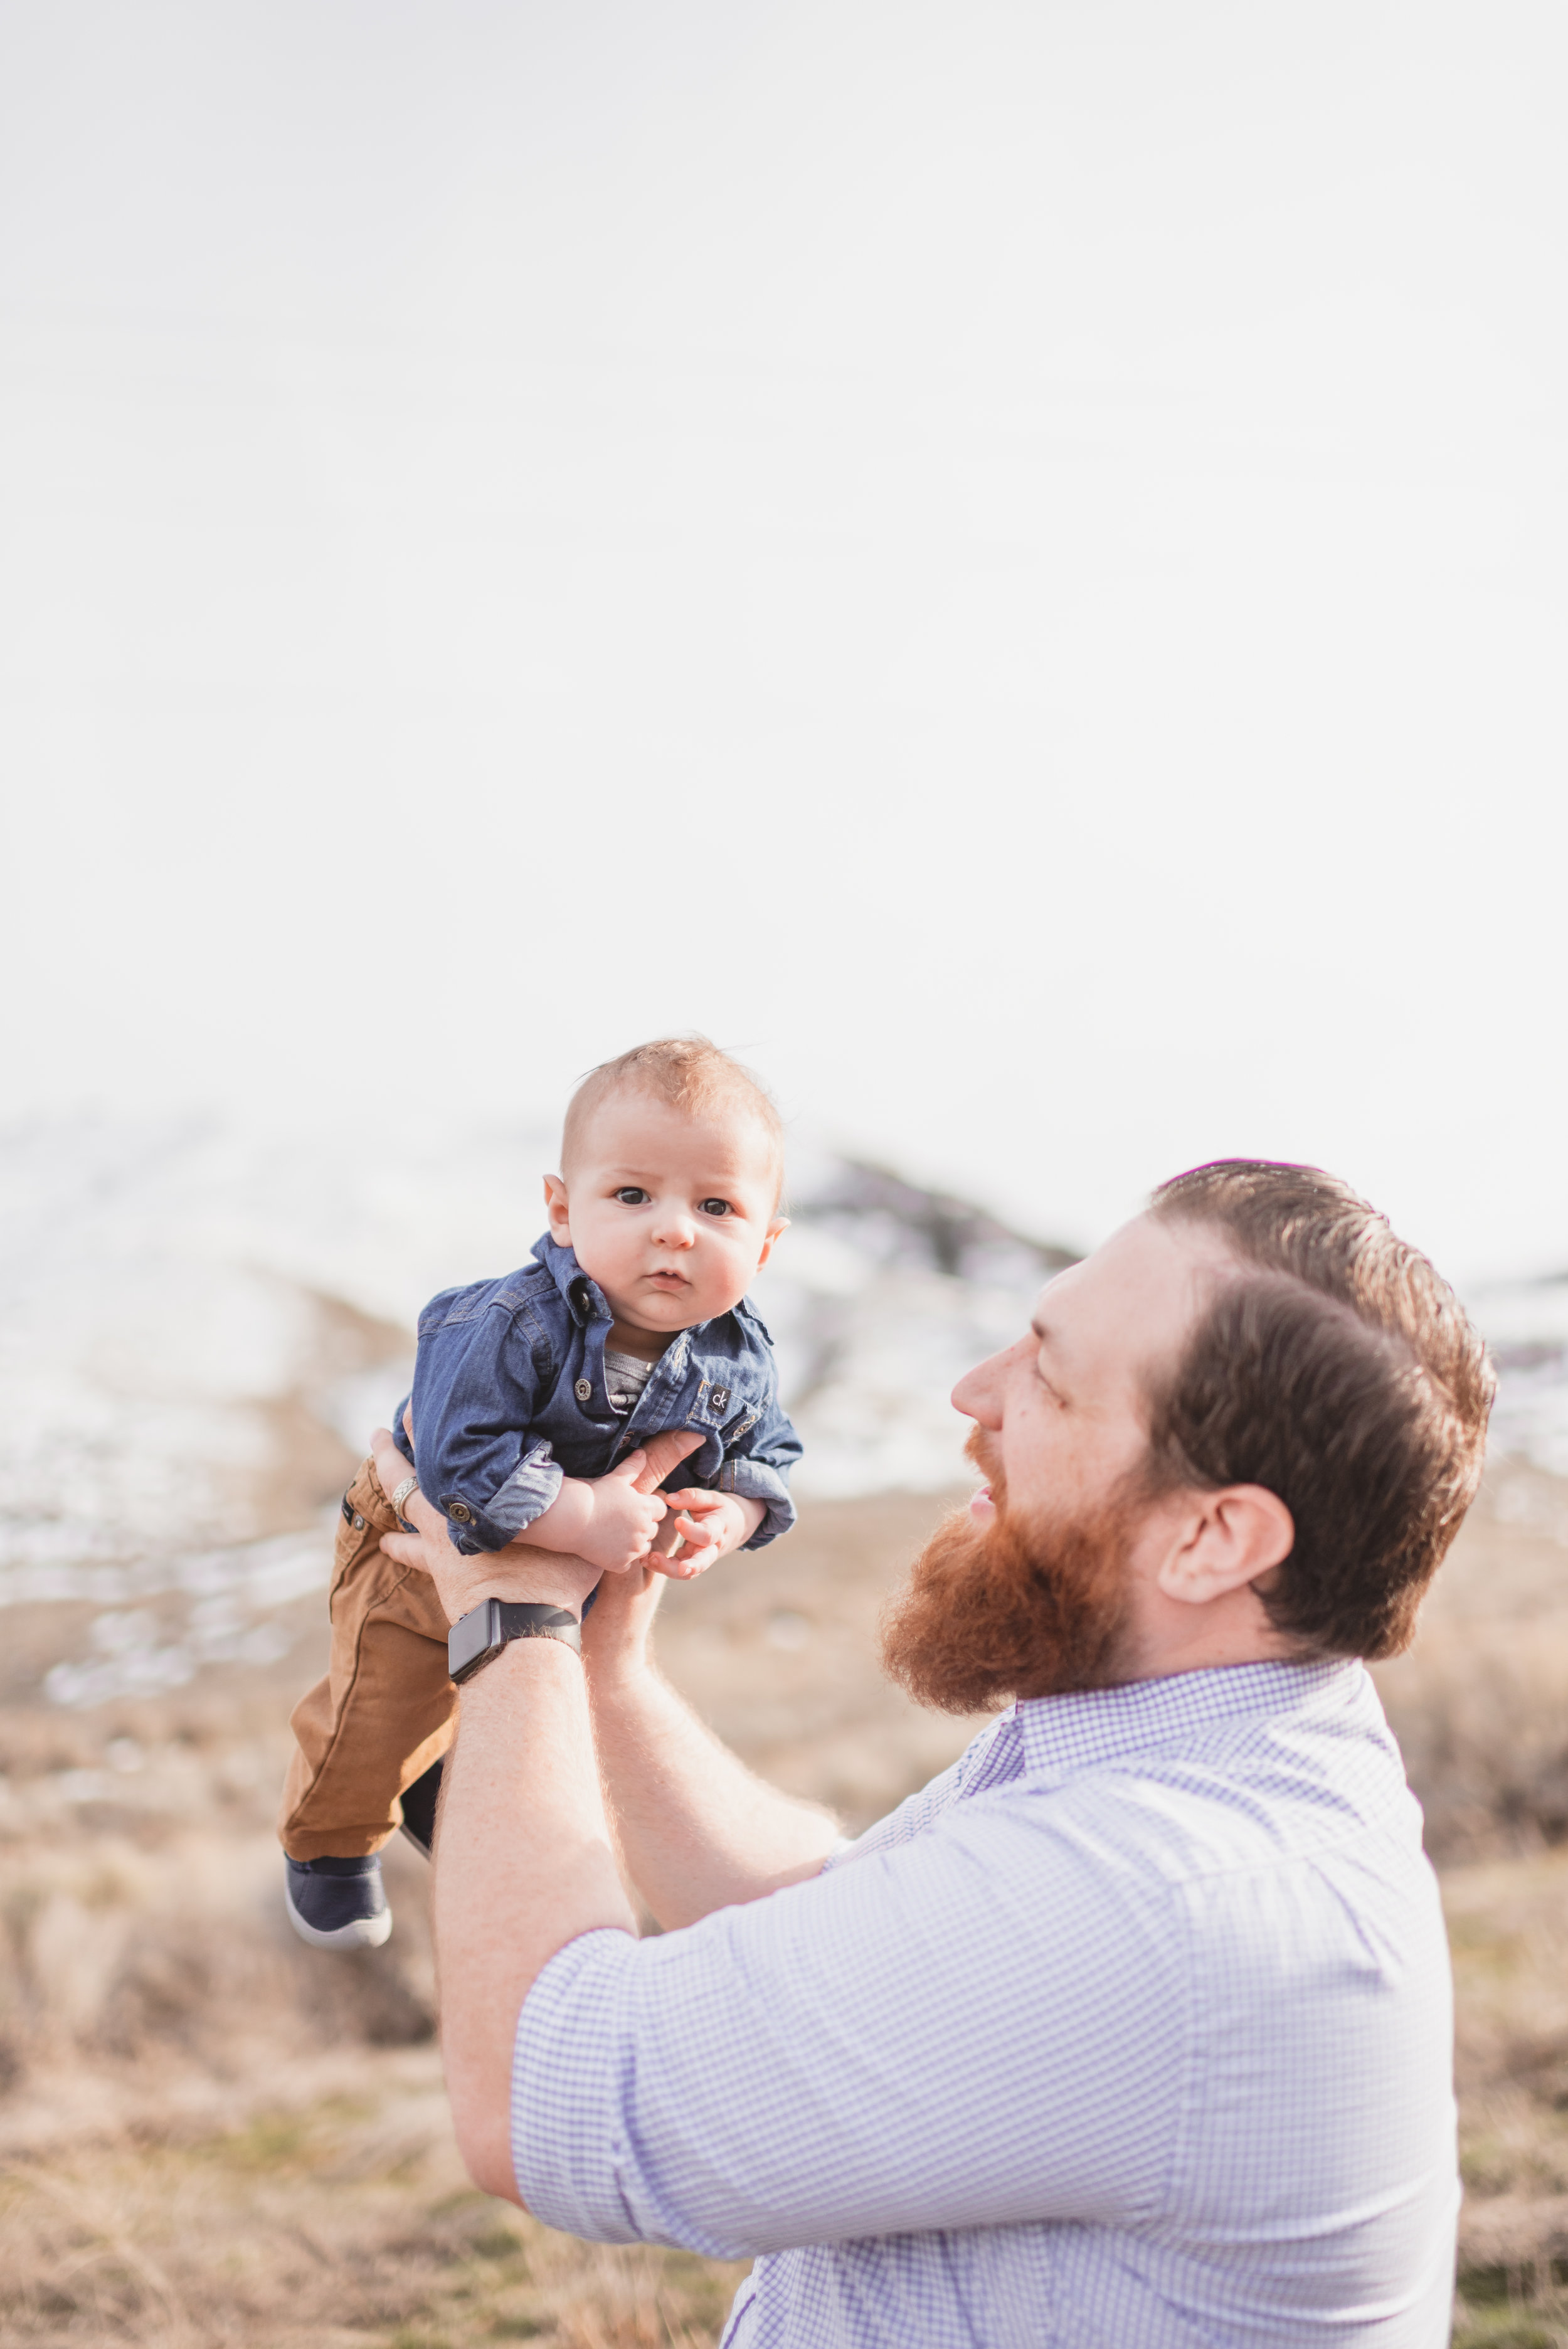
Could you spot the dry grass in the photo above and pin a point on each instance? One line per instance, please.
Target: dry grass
(1508, 1925)
(1481, 1709)
(1478, 1705)
(212, 2135)
(347, 2220)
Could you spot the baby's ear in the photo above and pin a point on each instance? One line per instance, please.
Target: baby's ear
(778, 1225)
(555, 1202)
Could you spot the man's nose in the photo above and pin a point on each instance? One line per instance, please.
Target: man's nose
(980, 1392)
(675, 1229)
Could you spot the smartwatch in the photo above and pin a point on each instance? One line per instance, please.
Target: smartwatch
(478, 1637)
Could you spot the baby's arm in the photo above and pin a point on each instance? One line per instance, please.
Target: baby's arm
(607, 1520)
(604, 1519)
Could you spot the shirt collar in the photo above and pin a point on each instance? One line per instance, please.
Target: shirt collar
(583, 1297)
(586, 1301)
(1063, 1734)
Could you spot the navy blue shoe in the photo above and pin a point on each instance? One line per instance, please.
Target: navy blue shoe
(338, 1904)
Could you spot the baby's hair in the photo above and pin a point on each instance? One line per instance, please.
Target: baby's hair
(691, 1074)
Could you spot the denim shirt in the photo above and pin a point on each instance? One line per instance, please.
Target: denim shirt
(509, 1398)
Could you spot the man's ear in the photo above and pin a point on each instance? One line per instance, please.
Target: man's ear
(555, 1201)
(779, 1224)
(1224, 1541)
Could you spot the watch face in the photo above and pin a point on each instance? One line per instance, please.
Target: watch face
(471, 1639)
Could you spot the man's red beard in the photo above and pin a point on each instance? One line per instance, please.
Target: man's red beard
(1015, 1608)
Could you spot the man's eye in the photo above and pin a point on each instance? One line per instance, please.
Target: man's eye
(715, 1207)
(629, 1196)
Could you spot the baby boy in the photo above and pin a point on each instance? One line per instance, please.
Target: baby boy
(533, 1397)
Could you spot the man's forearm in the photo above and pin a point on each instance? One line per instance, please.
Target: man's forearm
(524, 1861)
(525, 1865)
(698, 1831)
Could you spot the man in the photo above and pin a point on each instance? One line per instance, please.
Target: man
(1133, 2028)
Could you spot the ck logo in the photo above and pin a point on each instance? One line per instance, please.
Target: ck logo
(718, 1399)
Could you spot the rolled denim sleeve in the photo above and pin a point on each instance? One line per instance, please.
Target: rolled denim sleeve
(476, 1386)
(531, 1488)
(756, 1465)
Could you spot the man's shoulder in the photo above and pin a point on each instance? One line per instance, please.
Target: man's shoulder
(1258, 1821)
(1267, 1902)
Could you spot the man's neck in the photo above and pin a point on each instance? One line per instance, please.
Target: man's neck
(1164, 1639)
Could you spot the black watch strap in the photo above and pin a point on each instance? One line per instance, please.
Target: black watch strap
(476, 1638)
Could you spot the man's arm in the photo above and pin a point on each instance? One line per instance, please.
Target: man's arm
(794, 2070)
(525, 1865)
(698, 1831)
(525, 1862)
(985, 2023)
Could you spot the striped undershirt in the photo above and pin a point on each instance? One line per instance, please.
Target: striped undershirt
(626, 1376)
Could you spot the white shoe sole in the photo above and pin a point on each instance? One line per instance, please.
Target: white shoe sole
(362, 1933)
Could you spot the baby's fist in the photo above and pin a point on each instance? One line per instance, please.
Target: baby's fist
(622, 1522)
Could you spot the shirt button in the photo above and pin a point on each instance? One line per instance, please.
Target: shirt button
(461, 1511)
(583, 1390)
(358, 1525)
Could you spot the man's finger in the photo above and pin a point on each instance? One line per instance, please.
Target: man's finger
(384, 1451)
(663, 1451)
(391, 1468)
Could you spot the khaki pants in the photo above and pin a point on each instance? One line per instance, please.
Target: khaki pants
(387, 1709)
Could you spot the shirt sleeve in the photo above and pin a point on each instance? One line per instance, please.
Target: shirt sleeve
(982, 2025)
(476, 1388)
(913, 1815)
(756, 1465)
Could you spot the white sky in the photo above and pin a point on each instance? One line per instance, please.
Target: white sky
(1004, 557)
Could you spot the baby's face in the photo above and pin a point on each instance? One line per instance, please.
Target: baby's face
(671, 1214)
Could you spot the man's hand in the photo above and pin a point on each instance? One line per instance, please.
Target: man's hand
(710, 1524)
(525, 1569)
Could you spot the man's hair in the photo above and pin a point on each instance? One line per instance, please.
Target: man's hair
(1337, 1370)
(688, 1072)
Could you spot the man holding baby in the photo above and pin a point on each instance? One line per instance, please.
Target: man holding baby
(1133, 2027)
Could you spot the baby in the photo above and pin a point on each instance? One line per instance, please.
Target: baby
(531, 1395)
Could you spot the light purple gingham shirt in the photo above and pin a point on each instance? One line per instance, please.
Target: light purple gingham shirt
(1132, 2031)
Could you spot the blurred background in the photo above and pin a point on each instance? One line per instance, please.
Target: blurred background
(1005, 561)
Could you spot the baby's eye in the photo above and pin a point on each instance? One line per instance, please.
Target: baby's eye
(631, 1195)
(715, 1207)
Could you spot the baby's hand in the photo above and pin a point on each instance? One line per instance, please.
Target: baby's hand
(710, 1524)
(621, 1521)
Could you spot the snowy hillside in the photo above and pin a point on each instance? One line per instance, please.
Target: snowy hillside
(181, 1307)
(185, 1309)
